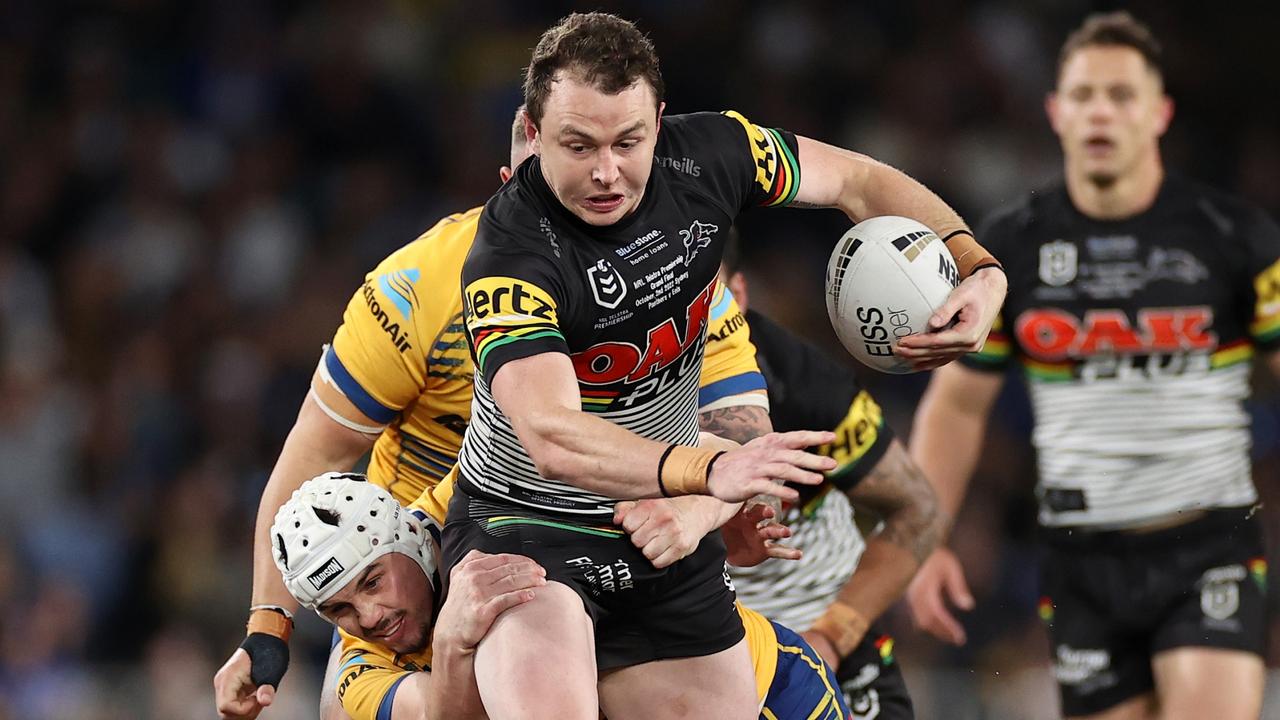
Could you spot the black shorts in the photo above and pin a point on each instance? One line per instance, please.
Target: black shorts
(1112, 600)
(872, 681)
(640, 613)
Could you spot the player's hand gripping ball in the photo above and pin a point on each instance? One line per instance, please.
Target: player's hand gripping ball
(885, 278)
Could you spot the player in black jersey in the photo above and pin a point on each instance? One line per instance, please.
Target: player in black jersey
(842, 583)
(585, 297)
(1137, 300)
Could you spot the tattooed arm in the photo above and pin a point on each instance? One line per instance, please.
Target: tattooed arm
(898, 491)
(741, 423)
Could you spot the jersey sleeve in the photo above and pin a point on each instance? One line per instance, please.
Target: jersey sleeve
(1263, 237)
(511, 301)
(730, 375)
(367, 680)
(376, 358)
(862, 436)
(771, 162)
(996, 352)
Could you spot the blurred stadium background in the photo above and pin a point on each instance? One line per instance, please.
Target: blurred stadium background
(190, 192)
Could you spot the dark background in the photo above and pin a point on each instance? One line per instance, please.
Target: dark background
(190, 192)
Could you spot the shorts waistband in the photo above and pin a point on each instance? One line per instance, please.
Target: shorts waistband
(1214, 521)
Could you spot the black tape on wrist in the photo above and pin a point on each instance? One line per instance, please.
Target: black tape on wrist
(268, 658)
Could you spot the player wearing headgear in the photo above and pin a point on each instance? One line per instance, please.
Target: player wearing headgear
(347, 550)
(1138, 300)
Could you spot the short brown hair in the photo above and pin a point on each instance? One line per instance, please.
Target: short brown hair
(518, 138)
(603, 50)
(1117, 28)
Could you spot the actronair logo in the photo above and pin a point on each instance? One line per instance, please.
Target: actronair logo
(325, 574)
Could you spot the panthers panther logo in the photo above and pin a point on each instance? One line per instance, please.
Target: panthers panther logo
(697, 237)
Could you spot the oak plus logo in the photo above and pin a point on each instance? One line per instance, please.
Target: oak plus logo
(607, 285)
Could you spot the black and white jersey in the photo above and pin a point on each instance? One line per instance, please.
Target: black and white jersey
(628, 303)
(1135, 337)
(809, 390)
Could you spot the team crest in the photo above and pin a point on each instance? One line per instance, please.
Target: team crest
(1220, 600)
(1057, 263)
(695, 238)
(607, 285)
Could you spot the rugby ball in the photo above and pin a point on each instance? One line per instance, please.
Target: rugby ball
(885, 278)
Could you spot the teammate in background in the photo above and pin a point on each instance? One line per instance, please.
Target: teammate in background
(842, 583)
(405, 656)
(586, 295)
(1137, 302)
(397, 380)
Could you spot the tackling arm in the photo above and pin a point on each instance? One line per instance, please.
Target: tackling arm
(896, 490)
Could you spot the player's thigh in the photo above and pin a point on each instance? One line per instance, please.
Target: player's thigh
(1200, 682)
(330, 705)
(1142, 707)
(720, 685)
(538, 660)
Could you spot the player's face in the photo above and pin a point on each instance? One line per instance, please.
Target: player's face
(597, 149)
(389, 603)
(1109, 111)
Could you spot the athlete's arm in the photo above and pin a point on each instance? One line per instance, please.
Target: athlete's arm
(896, 490)
(316, 444)
(946, 440)
(539, 394)
(863, 187)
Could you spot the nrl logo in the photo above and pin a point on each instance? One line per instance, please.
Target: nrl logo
(607, 285)
(1057, 263)
(695, 238)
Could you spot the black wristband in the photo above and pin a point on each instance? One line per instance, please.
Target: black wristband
(988, 264)
(714, 458)
(954, 233)
(663, 461)
(268, 658)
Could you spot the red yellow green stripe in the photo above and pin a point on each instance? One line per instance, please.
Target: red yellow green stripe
(787, 180)
(884, 645)
(1048, 372)
(1258, 569)
(1266, 328)
(1231, 354)
(1045, 608)
(487, 341)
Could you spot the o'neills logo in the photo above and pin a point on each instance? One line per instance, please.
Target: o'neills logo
(326, 574)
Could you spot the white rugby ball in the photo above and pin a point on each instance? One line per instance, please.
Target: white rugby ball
(885, 278)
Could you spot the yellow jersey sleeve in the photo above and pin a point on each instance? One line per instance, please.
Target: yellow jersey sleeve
(730, 375)
(370, 675)
(763, 643)
(382, 357)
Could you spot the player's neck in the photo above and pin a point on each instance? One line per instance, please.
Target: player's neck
(1126, 196)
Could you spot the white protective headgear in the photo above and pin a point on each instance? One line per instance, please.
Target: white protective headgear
(335, 526)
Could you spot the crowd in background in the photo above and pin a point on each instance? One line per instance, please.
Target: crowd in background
(190, 192)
